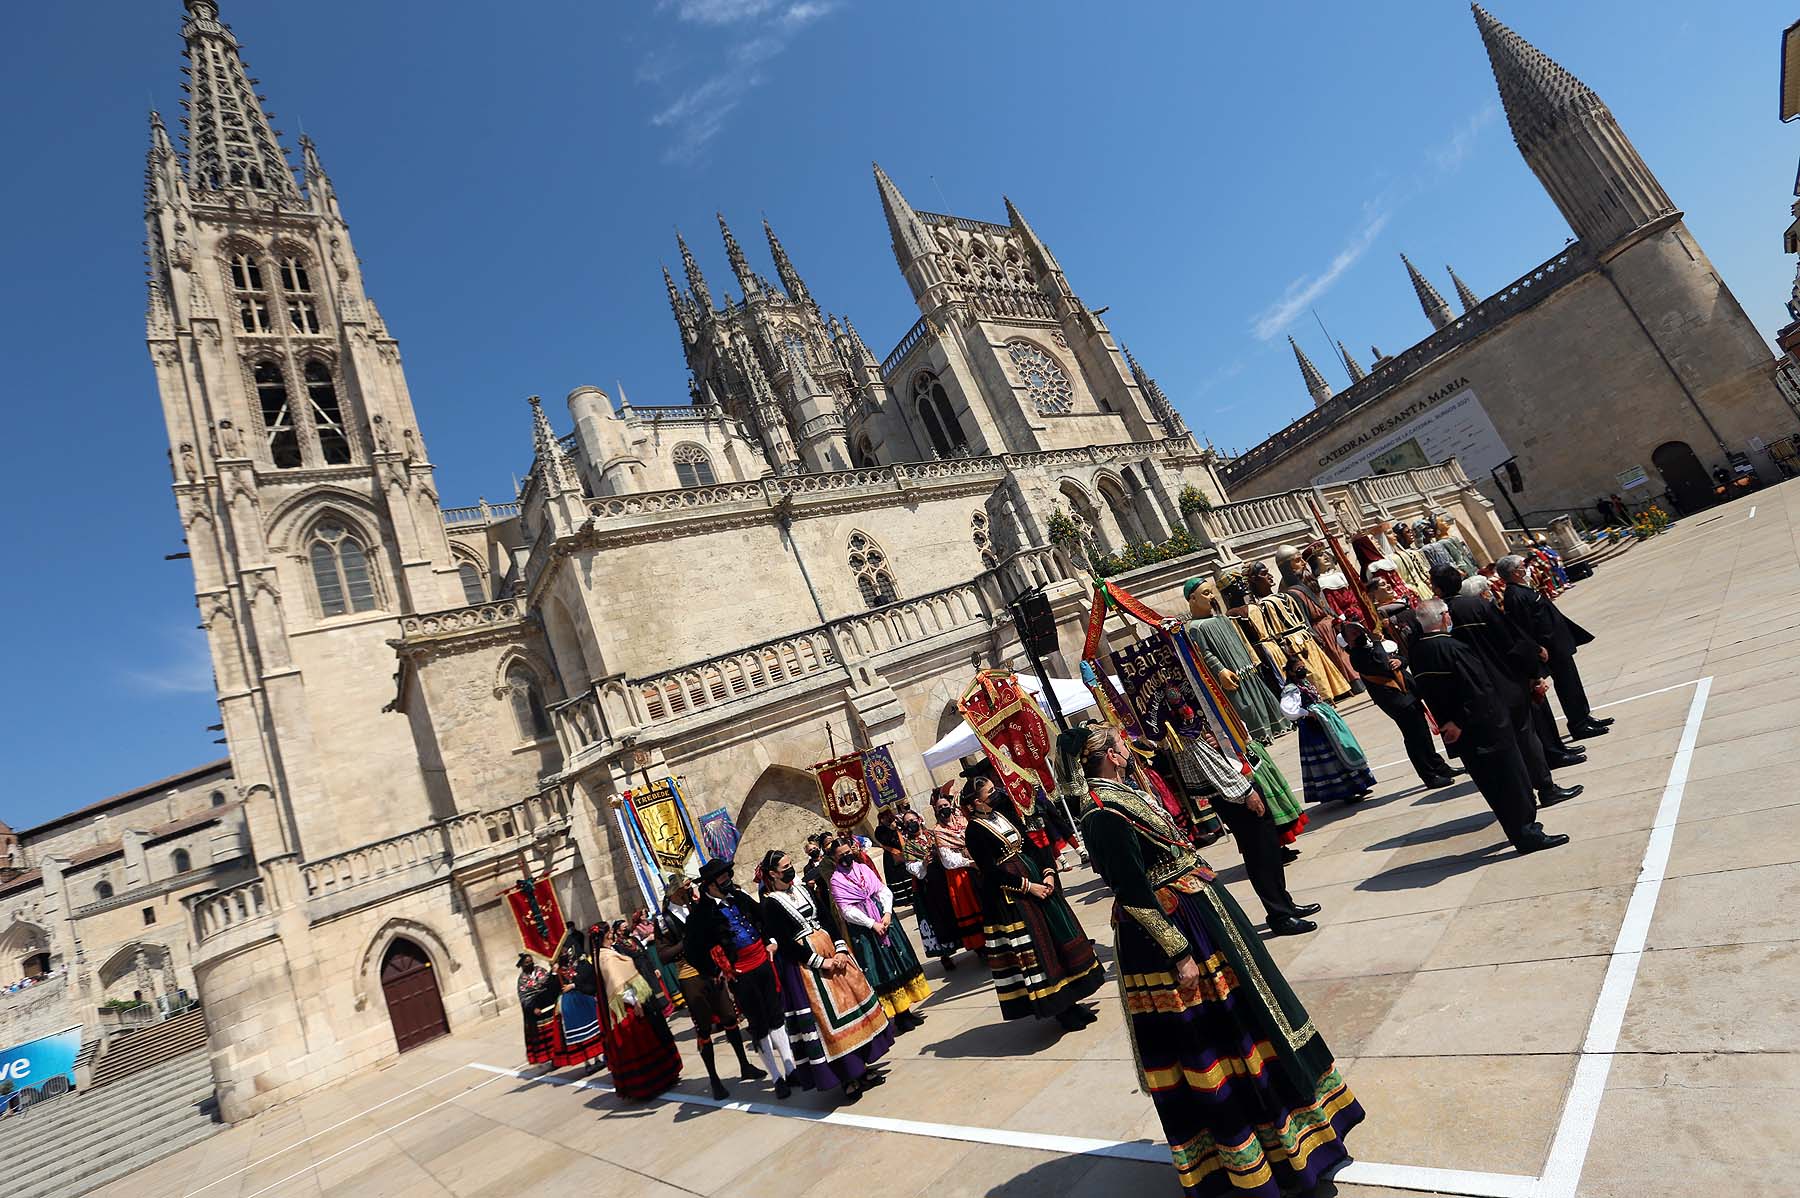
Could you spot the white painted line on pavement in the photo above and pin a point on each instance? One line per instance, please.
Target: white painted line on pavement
(368, 1139)
(1752, 514)
(1410, 1177)
(323, 1131)
(1575, 1131)
(1658, 691)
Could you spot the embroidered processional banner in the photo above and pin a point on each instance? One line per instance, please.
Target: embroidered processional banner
(663, 824)
(842, 791)
(881, 778)
(539, 916)
(1012, 732)
(719, 834)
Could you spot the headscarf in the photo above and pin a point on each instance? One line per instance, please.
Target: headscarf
(1072, 749)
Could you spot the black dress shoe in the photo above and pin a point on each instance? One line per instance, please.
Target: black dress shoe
(782, 1089)
(1557, 761)
(1543, 840)
(1286, 926)
(1586, 730)
(1440, 783)
(1289, 856)
(1603, 723)
(1303, 910)
(1550, 796)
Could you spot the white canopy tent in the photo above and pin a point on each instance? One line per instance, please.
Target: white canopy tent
(1072, 696)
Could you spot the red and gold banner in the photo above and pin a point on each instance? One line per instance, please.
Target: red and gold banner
(1352, 574)
(1012, 732)
(539, 917)
(842, 790)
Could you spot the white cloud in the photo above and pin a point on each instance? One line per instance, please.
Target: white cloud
(1303, 292)
(762, 30)
(1451, 155)
(186, 669)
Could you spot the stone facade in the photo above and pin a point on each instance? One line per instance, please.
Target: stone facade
(1625, 350)
(817, 549)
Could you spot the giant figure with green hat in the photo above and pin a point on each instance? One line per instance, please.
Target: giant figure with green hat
(1222, 647)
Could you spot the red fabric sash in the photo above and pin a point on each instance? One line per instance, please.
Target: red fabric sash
(751, 957)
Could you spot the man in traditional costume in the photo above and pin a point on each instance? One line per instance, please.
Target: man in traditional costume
(1302, 590)
(886, 956)
(1475, 716)
(831, 1012)
(725, 942)
(1512, 663)
(1392, 689)
(950, 840)
(1250, 1099)
(1043, 963)
(1221, 646)
(708, 1000)
(1163, 767)
(1288, 622)
(1557, 637)
(539, 994)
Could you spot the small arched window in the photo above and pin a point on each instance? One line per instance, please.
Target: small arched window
(862, 454)
(874, 577)
(693, 468)
(527, 704)
(327, 413)
(252, 293)
(103, 890)
(277, 415)
(340, 571)
(473, 590)
(984, 541)
(218, 798)
(296, 288)
(181, 861)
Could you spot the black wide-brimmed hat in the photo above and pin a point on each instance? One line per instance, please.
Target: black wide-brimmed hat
(715, 869)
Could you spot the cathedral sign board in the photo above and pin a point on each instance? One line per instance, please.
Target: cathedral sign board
(1447, 421)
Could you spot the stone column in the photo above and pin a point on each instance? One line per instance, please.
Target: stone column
(137, 868)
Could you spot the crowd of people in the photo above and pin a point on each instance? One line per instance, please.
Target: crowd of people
(816, 963)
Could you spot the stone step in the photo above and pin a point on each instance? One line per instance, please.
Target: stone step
(122, 1138)
(97, 1171)
(153, 1045)
(186, 1080)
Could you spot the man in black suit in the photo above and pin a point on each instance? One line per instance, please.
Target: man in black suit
(1515, 668)
(1557, 637)
(1472, 714)
(1392, 688)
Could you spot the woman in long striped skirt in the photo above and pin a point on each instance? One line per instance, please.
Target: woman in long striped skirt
(1249, 1096)
(640, 1050)
(578, 1010)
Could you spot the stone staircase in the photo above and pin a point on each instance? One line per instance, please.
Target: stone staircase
(73, 1144)
(151, 1046)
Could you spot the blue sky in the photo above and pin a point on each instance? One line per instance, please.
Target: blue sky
(512, 174)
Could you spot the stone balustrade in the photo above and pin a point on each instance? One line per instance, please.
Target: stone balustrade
(922, 328)
(420, 847)
(461, 619)
(484, 513)
(731, 676)
(228, 909)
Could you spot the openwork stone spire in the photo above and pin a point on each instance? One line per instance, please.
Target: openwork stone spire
(784, 266)
(556, 473)
(740, 266)
(1316, 386)
(1571, 141)
(1357, 373)
(696, 280)
(1160, 406)
(1436, 310)
(1467, 297)
(230, 142)
(908, 231)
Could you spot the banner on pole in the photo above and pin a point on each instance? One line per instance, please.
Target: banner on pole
(539, 916)
(1013, 732)
(842, 791)
(719, 834)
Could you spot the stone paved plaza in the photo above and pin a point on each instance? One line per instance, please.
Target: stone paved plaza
(1459, 985)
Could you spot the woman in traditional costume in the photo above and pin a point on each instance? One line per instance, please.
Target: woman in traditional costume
(1043, 964)
(931, 897)
(538, 994)
(950, 841)
(640, 1050)
(893, 855)
(1333, 768)
(835, 1022)
(866, 905)
(578, 1011)
(1249, 1097)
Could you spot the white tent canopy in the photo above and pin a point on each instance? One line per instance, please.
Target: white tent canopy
(1072, 695)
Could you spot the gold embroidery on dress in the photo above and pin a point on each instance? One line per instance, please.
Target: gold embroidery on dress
(1295, 1036)
(1167, 936)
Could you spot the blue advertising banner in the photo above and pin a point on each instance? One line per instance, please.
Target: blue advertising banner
(41, 1068)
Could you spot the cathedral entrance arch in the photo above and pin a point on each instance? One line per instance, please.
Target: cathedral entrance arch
(1689, 485)
(780, 812)
(415, 1007)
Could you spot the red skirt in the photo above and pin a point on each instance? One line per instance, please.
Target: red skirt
(543, 1039)
(641, 1056)
(967, 905)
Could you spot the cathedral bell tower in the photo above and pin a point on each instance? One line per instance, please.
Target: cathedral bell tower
(300, 474)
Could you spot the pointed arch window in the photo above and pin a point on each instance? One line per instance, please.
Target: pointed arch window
(473, 589)
(277, 415)
(527, 703)
(340, 569)
(327, 413)
(296, 288)
(874, 576)
(939, 418)
(252, 293)
(693, 466)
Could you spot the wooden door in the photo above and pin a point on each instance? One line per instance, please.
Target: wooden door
(414, 1005)
(1689, 483)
